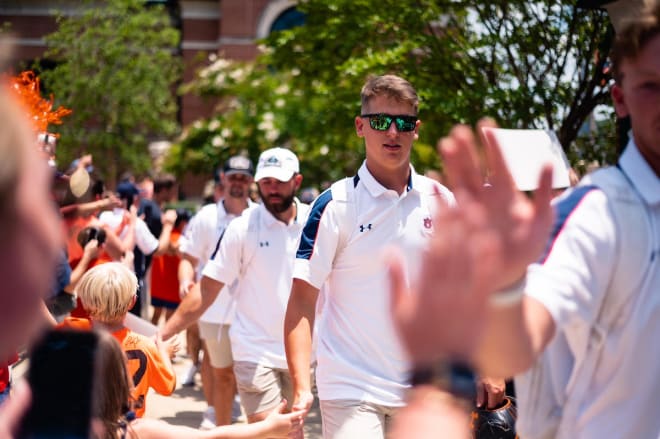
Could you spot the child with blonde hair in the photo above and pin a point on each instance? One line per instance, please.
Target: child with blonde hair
(108, 292)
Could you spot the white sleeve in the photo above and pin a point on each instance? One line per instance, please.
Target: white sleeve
(225, 265)
(318, 243)
(579, 260)
(193, 238)
(144, 240)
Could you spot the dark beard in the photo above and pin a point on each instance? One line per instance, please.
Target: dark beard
(277, 207)
(236, 191)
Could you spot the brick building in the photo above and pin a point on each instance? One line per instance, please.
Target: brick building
(228, 27)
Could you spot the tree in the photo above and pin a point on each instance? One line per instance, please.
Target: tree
(528, 64)
(116, 69)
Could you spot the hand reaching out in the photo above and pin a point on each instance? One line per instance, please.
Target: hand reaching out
(522, 225)
(284, 425)
(482, 245)
(490, 392)
(170, 346)
(443, 315)
(302, 404)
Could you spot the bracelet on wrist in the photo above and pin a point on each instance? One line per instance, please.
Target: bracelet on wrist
(509, 296)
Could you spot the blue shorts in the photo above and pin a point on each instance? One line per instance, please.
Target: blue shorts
(160, 303)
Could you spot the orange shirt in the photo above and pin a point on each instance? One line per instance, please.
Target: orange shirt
(164, 274)
(144, 363)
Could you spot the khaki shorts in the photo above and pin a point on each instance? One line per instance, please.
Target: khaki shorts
(261, 388)
(348, 419)
(216, 338)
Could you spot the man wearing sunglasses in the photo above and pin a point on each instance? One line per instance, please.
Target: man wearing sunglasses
(362, 369)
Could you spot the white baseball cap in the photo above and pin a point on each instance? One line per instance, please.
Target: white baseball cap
(278, 163)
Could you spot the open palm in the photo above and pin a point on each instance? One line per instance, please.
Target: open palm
(483, 244)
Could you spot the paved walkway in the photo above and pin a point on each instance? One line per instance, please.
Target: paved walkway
(186, 405)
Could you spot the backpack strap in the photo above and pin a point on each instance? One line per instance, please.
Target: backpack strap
(343, 194)
(251, 241)
(632, 219)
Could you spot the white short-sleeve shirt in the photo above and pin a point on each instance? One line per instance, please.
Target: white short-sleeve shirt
(144, 239)
(358, 353)
(621, 400)
(200, 239)
(261, 260)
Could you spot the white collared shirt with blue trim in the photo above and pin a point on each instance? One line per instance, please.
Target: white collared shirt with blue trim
(358, 352)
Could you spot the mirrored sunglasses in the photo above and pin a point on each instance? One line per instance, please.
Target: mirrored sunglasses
(382, 121)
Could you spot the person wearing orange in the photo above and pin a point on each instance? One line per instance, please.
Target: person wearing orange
(107, 292)
(164, 279)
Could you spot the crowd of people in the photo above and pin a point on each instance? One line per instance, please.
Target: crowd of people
(401, 304)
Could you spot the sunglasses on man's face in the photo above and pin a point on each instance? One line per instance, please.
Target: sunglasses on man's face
(382, 122)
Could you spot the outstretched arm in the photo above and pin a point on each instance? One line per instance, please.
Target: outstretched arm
(277, 425)
(193, 305)
(168, 219)
(298, 325)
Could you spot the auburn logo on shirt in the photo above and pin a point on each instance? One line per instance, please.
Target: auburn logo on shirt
(428, 223)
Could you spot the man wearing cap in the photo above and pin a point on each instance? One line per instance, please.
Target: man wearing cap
(257, 252)
(197, 245)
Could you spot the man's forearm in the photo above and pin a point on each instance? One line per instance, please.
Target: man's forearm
(514, 337)
(298, 346)
(198, 300)
(298, 324)
(186, 271)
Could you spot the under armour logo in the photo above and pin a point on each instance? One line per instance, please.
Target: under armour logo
(363, 227)
(263, 244)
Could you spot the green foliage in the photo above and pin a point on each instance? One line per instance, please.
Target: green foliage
(259, 109)
(527, 64)
(116, 69)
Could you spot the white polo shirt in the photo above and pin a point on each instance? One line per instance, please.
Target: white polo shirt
(622, 397)
(144, 239)
(359, 354)
(200, 240)
(261, 260)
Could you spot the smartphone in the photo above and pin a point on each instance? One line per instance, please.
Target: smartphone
(61, 378)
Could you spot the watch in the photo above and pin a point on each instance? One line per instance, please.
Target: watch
(453, 377)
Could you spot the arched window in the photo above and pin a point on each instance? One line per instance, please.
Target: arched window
(292, 17)
(279, 15)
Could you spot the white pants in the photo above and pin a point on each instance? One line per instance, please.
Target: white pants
(350, 419)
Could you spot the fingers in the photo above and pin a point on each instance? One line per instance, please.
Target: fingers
(282, 406)
(459, 151)
(543, 195)
(499, 174)
(495, 398)
(481, 393)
